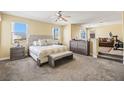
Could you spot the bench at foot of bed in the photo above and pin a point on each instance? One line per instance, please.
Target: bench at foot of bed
(55, 57)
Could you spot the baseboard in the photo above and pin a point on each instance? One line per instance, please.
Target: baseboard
(5, 58)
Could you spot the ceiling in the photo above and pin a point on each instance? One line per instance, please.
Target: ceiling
(77, 17)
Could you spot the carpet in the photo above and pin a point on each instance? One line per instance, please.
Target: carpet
(110, 50)
(116, 52)
(105, 49)
(82, 68)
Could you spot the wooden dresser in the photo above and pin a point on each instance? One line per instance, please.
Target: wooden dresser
(80, 46)
(17, 53)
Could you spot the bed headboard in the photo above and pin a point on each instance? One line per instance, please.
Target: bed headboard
(37, 37)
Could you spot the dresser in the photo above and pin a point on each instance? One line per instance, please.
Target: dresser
(17, 53)
(80, 46)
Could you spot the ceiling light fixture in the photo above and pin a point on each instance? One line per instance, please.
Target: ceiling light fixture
(60, 17)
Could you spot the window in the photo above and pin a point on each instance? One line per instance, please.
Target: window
(56, 33)
(19, 31)
(83, 35)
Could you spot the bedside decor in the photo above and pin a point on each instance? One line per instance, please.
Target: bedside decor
(17, 44)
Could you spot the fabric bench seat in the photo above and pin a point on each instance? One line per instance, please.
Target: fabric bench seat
(54, 57)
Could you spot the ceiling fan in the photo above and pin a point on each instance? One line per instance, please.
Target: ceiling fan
(60, 17)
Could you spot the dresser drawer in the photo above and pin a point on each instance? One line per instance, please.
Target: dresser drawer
(79, 46)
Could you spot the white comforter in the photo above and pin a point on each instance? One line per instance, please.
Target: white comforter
(44, 51)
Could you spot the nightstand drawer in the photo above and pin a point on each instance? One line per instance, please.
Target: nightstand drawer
(17, 57)
(17, 53)
(16, 50)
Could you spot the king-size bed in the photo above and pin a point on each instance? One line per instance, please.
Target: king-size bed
(40, 47)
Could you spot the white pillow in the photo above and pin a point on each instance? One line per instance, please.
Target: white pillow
(39, 43)
(42, 42)
(55, 42)
(35, 43)
(49, 42)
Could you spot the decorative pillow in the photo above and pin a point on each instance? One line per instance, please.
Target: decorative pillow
(104, 39)
(35, 43)
(42, 42)
(55, 42)
(39, 43)
(49, 42)
(108, 40)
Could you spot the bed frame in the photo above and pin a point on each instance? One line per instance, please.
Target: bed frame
(36, 38)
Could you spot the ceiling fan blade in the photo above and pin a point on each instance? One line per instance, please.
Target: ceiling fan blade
(59, 17)
(64, 18)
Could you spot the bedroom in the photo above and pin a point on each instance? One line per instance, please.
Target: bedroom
(41, 27)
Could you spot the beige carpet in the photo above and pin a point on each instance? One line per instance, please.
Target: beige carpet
(81, 68)
(105, 49)
(110, 50)
(116, 52)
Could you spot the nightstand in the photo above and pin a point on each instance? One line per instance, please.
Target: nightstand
(17, 53)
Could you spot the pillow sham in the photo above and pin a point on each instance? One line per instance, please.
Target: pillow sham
(52, 42)
(55, 42)
(45, 42)
(49, 42)
(42, 42)
(35, 43)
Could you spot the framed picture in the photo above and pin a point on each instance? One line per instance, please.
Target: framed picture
(92, 34)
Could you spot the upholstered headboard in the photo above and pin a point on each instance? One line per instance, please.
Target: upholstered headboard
(37, 37)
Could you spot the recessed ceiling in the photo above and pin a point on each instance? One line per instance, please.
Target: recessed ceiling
(77, 17)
